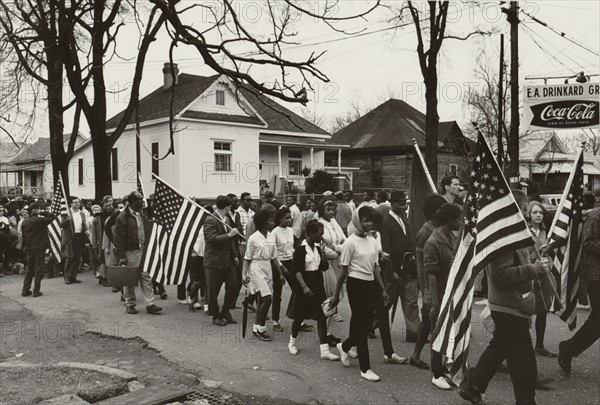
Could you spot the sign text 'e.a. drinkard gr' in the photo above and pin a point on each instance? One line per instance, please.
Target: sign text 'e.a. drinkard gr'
(561, 106)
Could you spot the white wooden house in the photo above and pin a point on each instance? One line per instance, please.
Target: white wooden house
(225, 141)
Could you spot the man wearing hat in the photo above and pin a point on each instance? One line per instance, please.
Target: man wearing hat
(35, 243)
(395, 240)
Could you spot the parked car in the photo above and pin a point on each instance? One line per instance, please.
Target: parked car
(552, 200)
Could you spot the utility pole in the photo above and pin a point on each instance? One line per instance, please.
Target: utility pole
(512, 15)
(501, 102)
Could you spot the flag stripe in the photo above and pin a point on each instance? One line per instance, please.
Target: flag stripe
(494, 226)
(177, 222)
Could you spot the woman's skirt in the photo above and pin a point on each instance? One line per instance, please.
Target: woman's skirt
(304, 306)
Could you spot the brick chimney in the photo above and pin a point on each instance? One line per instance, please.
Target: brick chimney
(168, 79)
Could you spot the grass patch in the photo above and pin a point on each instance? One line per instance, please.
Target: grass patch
(33, 385)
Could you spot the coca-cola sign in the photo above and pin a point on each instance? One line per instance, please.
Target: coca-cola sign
(561, 106)
(565, 114)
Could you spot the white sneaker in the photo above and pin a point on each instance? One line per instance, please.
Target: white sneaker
(583, 307)
(481, 302)
(292, 348)
(394, 359)
(441, 383)
(329, 356)
(197, 305)
(185, 301)
(343, 355)
(370, 376)
(206, 308)
(352, 353)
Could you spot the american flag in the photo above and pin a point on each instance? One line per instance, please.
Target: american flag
(58, 208)
(494, 226)
(177, 222)
(566, 233)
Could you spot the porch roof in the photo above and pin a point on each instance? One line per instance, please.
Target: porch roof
(285, 140)
(564, 167)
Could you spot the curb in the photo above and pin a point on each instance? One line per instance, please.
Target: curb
(127, 376)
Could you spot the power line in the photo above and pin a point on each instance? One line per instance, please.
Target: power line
(562, 34)
(552, 45)
(526, 30)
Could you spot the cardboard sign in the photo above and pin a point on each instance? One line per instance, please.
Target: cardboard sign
(561, 106)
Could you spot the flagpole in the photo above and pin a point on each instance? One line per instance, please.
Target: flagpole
(142, 187)
(196, 204)
(425, 169)
(62, 186)
(565, 194)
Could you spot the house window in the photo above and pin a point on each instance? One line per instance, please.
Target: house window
(453, 169)
(33, 180)
(155, 162)
(222, 156)
(220, 97)
(376, 173)
(114, 161)
(80, 167)
(295, 162)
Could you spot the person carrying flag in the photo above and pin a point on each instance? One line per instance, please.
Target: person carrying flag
(132, 230)
(512, 303)
(35, 243)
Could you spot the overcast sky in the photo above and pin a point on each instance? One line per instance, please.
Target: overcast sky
(366, 69)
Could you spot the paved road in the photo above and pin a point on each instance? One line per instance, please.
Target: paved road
(266, 369)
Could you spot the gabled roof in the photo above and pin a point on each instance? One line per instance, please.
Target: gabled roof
(394, 124)
(37, 151)
(541, 142)
(8, 151)
(156, 105)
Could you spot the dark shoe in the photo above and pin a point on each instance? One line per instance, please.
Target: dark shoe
(115, 289)
(304, 327)
(50, 275)
(277, 327)
(163, 295)
(542, 351)
(122, 299)
(191, 307)
(75, 281)
(418, 364)
(219, 322)
(264, 336)
(467, 392)
(411, 338)
(227, 318)
(37, 294)
(153, 309)
(26, 293)
(251, 308)
(333, 340)
(564, 360)
(68, 281)
(130, 309)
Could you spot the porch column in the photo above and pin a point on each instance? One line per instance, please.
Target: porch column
(339, 160)
(280, 165)
(312, 159)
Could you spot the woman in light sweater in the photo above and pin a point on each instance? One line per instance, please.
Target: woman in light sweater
(360, 264)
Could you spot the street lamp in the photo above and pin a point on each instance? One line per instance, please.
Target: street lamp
(581, 78)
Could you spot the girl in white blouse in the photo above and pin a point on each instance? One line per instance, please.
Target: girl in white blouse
(284, 241)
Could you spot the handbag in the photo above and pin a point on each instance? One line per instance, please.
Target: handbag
(123, 276)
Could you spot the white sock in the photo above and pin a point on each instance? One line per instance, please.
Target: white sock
(293, 340)
(262, 328)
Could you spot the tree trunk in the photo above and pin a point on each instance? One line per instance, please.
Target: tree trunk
(60, 163)
(102, 165)
(432, 120)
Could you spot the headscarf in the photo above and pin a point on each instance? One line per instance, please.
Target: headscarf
(356, 222)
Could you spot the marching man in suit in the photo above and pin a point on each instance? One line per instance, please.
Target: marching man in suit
(220, 261)
(74, 229)
(395, 240)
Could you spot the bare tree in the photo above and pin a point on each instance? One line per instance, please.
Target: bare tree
(435, 25)
(29, 41)
(88, 32)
